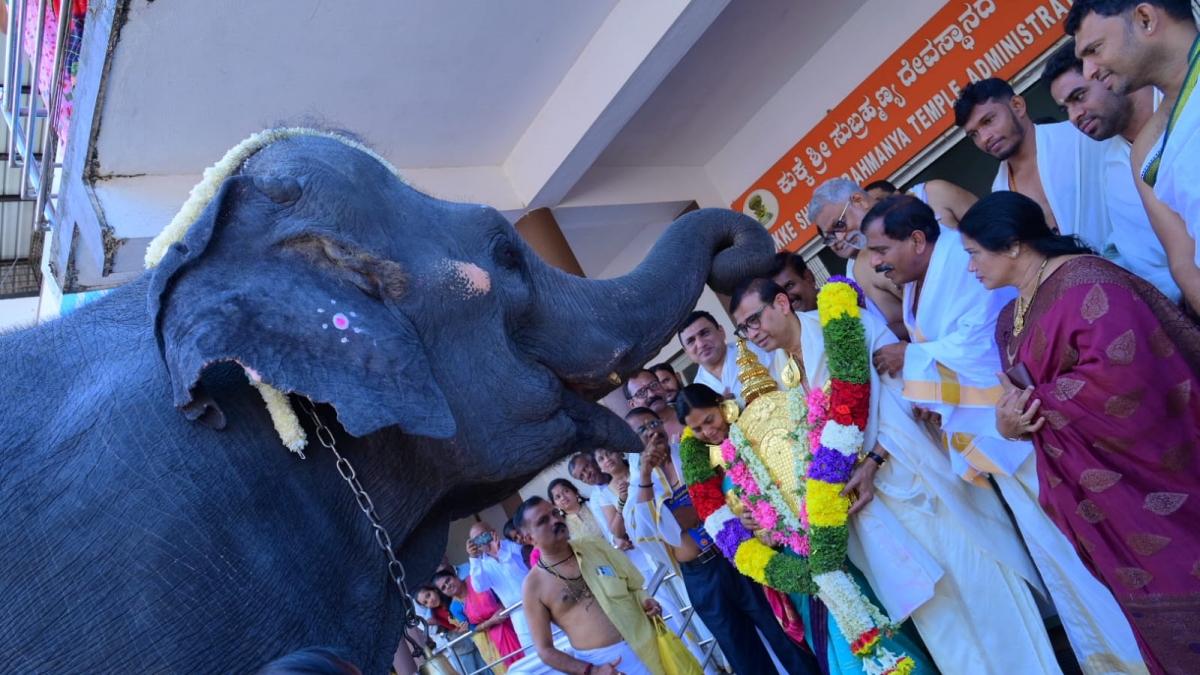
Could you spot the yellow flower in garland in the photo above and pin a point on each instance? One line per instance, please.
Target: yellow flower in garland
(837, 300)
(826, 506)
(752, 558)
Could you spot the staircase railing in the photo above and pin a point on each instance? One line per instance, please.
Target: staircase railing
(33, 136)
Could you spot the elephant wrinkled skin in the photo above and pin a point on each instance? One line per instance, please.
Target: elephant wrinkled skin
(152, 520)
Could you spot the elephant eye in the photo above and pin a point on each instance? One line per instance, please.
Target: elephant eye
(506, 255)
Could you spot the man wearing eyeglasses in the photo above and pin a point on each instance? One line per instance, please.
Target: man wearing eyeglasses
(837, 209)
(703, 341)
(927, 538)
(643, 390)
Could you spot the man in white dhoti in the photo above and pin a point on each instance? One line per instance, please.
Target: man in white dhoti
(1130, 45)
(1101, 114)
(703, 341)
(1052, 164)
(837, 208)
(951, 369)
(929, 544)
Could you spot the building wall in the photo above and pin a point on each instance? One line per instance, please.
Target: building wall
(17, 313)
(849, 56)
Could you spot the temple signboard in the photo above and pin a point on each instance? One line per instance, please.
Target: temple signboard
(902, 107)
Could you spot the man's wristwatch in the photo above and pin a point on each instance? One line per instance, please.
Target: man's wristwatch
(876, 457)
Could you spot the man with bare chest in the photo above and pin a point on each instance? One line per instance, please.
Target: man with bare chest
(593, 592)
(1052, 164)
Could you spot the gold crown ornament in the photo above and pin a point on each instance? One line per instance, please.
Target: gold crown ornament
(767, 424)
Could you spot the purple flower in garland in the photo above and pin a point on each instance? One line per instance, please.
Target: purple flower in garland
(732, 534)
(830, 466)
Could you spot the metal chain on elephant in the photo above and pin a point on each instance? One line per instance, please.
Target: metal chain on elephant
(395, 567)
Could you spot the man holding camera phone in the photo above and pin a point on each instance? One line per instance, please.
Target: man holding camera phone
(497, 565)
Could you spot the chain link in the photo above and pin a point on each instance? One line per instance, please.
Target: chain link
(394, 566)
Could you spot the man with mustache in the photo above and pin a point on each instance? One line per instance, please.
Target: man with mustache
(1049, 163)
(837, 208)
(1129, 45)
(1101, 114)
(643, 390)
(794, 277)
(950, 377)
(590, 591)
(669, 379)
(928, 543)
(703, 341)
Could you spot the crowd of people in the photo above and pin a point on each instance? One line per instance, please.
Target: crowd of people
(1029, 446)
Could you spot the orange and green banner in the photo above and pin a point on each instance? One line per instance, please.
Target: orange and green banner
(903, 106)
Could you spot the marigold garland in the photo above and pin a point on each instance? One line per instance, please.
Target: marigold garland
(827, 442)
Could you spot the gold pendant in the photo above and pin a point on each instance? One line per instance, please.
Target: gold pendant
(792, 374)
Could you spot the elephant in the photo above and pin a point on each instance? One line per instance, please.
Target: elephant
(153, 522)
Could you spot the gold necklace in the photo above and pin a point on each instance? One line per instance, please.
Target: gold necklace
(1023, 307)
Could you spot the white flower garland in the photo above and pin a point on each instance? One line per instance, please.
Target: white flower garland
(846, 439)
(716, 520)
(798, 412)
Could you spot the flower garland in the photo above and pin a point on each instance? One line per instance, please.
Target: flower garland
(828, 438)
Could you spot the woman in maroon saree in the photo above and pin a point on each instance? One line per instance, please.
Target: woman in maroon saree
(1113, 410)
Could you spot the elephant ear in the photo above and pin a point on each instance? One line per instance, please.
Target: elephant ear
(310, 314)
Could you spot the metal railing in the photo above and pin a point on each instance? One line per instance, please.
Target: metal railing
(661, 575)
(33, 135)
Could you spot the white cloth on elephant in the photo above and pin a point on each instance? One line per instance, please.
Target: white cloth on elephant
(978, 615)
(504, 575)
(1133, 244)
(950, 366)
(1071, 167)
(729, 372)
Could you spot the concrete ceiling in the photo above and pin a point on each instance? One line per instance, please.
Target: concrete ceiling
(518, 104)
(748, 53)
(429, 83)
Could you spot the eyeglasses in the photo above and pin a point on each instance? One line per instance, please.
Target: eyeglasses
(645, 429)
(838, 227)
(646, 390)
(752, 323)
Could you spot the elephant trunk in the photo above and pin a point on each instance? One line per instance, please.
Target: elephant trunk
(590, 329)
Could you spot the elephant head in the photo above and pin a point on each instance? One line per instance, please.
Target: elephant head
(321, 272)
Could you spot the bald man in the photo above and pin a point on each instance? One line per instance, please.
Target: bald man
(498, 565)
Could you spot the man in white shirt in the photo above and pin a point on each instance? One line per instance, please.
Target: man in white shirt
(497, 565)
(1102, 114)
(703, 341)
(1051, 164)
(837, 208)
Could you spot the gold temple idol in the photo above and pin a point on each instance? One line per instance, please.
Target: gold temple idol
(767, 424)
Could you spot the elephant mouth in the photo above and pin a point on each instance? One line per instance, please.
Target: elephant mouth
(592, 390)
